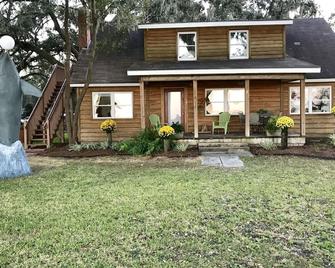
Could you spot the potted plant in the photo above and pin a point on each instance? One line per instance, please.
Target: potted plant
(108, 126)
(271, 127)
(166, 132)
(178, 129)
(284, 123)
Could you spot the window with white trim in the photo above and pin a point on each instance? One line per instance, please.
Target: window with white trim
(317, 100)
(220, 100)
(117, 105)
(239, 44)
(187, 46)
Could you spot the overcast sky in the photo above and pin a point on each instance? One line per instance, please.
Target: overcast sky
(327, 7)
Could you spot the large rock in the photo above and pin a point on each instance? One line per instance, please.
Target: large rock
(13, 161)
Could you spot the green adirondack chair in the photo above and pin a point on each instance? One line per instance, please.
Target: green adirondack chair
(155, 121)
(223, 122)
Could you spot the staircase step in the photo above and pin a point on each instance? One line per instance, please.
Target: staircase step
(37, 141)
(37, 146)
(223, 145)
(39, 136)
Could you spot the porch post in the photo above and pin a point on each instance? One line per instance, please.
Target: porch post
(142, 104)
(195, 108)
(302, 109)
(247, 107)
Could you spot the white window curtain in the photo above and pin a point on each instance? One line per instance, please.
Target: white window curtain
(318, 100)
(224, 100)
(117, 105)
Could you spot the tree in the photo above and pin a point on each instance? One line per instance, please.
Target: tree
(260, 9)
(72, 107)
(158, 11)
(37, 29)
(331, 20)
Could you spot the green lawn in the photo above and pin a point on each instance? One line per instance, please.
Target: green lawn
(278, 211)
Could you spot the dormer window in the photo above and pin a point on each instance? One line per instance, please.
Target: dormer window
(187, 46)
(239, 44)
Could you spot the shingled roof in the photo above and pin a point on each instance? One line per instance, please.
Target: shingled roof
(309, 42)
(111, 67)
(312, 40)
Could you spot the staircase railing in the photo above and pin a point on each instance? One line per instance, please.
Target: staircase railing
(31, 124)
(55, 116)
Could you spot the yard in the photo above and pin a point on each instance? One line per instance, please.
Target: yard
(278, 211)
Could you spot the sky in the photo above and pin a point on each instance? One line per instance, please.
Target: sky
(327, 7)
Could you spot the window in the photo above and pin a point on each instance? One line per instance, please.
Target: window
(113, 105)
(224, 100)
(318, 100)
(187, 46)
(239, 44)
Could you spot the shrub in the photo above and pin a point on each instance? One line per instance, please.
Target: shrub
(332, 139)
(333, 110)
(181, 147)
(178, 128)
(146, 143)
(284, 123)
(268, 145)
(271, 125)
(166, 132)
(89, 146)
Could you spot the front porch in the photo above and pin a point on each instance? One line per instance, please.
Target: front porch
(267, 92)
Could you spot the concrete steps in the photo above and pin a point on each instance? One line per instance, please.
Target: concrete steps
(234, 148)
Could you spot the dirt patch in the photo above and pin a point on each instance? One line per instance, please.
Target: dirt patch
(63, 151)
(322, 151)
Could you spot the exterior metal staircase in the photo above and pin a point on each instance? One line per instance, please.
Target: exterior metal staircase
(47, 115)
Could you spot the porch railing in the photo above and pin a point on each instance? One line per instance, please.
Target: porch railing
(55, 116)
(39, 110)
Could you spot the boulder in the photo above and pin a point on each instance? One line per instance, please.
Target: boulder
(13, 161)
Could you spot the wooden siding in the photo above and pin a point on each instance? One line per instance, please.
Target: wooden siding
(213, 42)
(317, 125)
(126, 128)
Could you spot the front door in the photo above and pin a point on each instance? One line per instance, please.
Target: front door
(174, 106)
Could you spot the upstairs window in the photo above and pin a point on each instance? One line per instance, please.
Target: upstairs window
(112, 105)
(187, 46)
(239, 44)
(317, 100)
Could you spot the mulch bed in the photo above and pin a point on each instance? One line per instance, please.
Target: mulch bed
(322, 151)
(63, 151)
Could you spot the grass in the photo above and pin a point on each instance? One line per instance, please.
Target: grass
(278, 211)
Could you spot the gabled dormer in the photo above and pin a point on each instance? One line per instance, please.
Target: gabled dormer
(215, 40)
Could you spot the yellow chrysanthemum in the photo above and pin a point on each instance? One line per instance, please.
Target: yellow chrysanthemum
(285, 122)
(166, 131)
(333, 110)
(108, 126)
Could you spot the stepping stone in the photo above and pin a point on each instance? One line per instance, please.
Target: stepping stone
(211, 161)
(231, 161)
(221, 160)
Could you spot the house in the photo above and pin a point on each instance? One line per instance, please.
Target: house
(190, 72)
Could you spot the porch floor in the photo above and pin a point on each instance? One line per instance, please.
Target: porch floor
(237, 135)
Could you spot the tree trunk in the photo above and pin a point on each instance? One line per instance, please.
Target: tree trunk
(284, 138)
(95, 26)
(67, 93)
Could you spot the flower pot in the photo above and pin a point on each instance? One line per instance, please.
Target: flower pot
(167, 145)
(284, 138)
(277, 133)
(179, 135)
(109, 139)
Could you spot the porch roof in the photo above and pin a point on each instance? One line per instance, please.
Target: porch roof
(287, 65)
